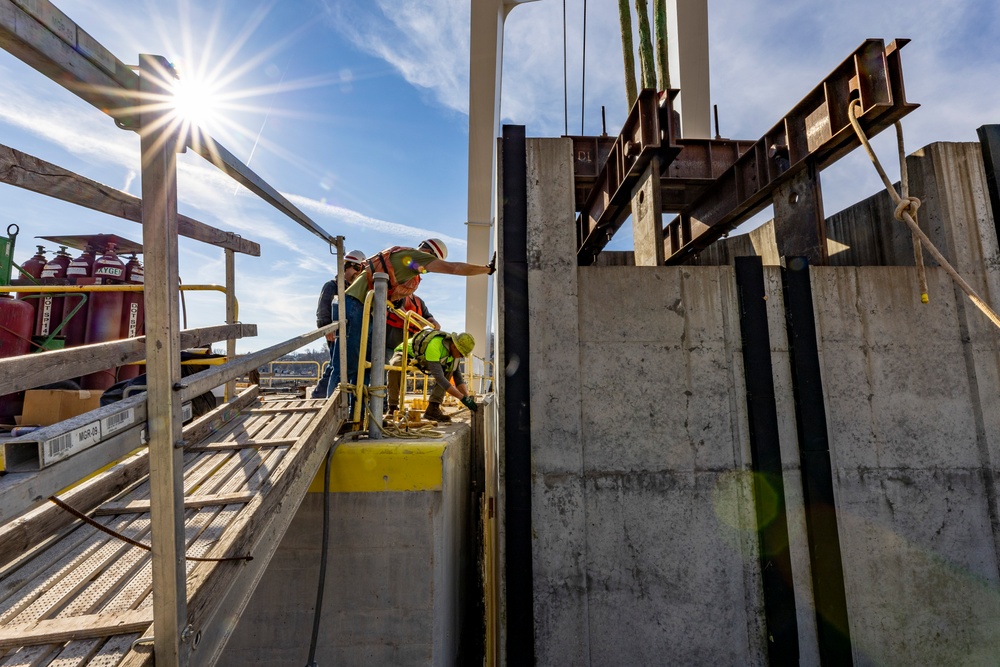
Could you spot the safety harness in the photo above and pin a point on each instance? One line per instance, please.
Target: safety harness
(410, 303)
(396, 290)
(422, 340)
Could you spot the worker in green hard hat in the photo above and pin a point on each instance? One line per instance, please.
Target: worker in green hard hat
(437, 353)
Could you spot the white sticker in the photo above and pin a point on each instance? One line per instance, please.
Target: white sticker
(118, 421)
(70, 443)
(186, 412)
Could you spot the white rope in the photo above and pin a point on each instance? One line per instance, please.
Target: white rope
(906, 211)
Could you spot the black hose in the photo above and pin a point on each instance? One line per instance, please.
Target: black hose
(322, 563)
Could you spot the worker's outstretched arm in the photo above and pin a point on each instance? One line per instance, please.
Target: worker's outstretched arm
(458, 268)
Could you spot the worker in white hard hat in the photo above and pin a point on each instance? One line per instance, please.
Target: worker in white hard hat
(404, 266)
(326, 313)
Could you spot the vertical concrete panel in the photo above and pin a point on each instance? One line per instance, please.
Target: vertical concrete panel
(561, 620)
(392, 589)
(671, 556)
(915, 511)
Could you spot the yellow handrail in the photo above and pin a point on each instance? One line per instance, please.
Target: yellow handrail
(72, 289)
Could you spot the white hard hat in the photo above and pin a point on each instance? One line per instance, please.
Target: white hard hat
(437, 247)
(354, 257)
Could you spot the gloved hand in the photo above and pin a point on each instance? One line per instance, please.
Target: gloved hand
(492, 265)
(470, 403)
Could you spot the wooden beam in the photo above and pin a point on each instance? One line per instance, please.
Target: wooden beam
(160, 143)
(235, 446)
(37, 175)
(199, 383)
(276, 411)
(55, 46)
(65, 53)
(62, 630)
(191, 502)
(34, 370)
(25, 531)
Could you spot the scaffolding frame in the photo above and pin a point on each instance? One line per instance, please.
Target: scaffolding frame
(43, 37)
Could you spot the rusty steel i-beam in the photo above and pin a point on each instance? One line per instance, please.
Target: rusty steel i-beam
(715, 184)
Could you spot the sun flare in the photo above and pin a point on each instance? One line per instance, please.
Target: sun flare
(195, 102)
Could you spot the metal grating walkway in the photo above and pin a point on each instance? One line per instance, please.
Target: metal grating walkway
(83, 597)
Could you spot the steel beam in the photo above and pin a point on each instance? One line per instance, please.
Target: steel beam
(814, 134)
(648, 132)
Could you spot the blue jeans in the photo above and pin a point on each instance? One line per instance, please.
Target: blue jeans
(353, 315)
(324, 380)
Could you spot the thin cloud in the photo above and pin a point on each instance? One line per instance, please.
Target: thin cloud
(355, 219)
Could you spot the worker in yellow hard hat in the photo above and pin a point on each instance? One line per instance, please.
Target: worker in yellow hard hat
(437, 353)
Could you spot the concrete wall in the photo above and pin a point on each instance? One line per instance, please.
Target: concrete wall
(392, 580)
(644, 544)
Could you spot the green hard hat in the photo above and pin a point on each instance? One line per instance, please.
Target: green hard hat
(464, 342)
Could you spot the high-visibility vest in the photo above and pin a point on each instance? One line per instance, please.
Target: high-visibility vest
(420, 342)
(396, 290)
(410, 303)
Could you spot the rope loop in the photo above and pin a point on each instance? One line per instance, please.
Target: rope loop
(907, 205)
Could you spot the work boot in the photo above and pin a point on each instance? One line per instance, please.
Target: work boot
(390, 410)
(433, 413)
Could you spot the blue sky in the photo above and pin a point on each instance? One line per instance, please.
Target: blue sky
(357, 111)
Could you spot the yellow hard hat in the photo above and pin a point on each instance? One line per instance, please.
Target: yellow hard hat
(464, 342)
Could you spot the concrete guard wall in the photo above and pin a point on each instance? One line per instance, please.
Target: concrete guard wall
(392, 594)
(644, 539)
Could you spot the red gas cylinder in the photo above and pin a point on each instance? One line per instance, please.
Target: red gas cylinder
(105, 313)
(50, 307)
(33, 267)
(78, 273)
(16, 325)
(133, 314)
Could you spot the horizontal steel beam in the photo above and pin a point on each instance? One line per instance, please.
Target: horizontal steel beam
(815, 132)
(647, 132)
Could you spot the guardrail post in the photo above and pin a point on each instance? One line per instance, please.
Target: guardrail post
(378, 355)
(159, 140)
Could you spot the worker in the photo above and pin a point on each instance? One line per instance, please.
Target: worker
(326, 313)
(404, 266)
(394, 323)
(438, 354)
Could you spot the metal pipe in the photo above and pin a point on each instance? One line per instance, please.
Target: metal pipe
(377, 398)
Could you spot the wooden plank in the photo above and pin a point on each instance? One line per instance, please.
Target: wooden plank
(213, 421)
(59, 630)
(27, 39)
(223, 592)
(159, 144)
(230, 314)
(31, 173)
(224, 446)
(191, 502)
(286, 411)
(34, 370)
(206, 380)
(24, 532)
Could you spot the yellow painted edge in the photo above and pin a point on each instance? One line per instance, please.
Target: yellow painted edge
(366, 467)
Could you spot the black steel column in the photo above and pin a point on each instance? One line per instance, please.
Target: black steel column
(768, 485)
(516, 404)
(817, 474)
(989, 139)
